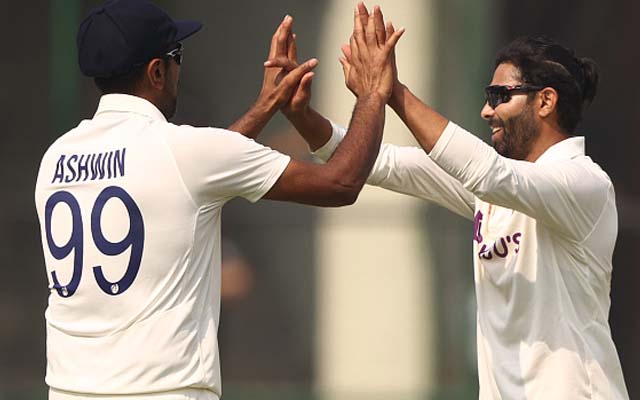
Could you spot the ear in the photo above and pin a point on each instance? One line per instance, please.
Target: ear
(548, 101)
(156, 73)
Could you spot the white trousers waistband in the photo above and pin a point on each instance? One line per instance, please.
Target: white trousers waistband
(182, 394)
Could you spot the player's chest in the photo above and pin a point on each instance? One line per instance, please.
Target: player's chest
(502, 240)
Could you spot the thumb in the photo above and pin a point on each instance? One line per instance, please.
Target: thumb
(305, 84)
(346, 50)
(296, 75)
(346, 67)
(393, 40)
(281, 62)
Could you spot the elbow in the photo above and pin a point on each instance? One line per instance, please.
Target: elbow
(352, 198)
(347, 194)
(349, 198)
(343, 187)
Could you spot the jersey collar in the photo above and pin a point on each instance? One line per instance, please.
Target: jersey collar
(117, 102)
(564, 150)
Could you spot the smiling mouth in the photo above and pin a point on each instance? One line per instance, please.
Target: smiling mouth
(496, 133)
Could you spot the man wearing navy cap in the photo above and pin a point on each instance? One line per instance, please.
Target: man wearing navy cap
(130, 204)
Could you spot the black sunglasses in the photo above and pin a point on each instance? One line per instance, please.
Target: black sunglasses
(498, 94)
(176, 54)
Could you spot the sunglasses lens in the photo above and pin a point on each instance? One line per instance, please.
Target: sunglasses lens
(492, 99)
(496, 95)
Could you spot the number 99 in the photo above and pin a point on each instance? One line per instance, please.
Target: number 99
(133, 240)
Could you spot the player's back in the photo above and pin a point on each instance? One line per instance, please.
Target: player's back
(134, 295)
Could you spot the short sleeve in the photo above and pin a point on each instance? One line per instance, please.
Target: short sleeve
(217, 164)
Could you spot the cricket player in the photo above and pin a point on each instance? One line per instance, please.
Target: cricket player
(545, 220)
(130, 204)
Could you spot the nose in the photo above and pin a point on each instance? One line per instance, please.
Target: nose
(487, 112)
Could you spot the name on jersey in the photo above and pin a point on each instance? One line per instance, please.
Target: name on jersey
(94, 166)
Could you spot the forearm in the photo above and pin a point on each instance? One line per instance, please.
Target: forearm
(425, 123)
(353, 159)
(339, 181)
(253, 121)
(312, 126)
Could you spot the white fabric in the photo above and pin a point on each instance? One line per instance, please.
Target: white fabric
(408, 170)
(159, 334)
(543, 242)
(183, 394)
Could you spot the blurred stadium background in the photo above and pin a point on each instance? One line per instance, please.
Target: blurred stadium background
(374, 301)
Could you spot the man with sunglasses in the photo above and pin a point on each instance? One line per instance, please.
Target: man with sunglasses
(544, 213)
(130, 205)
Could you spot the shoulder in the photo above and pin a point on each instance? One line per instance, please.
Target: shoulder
(207, 146)
(63, 142)
(588, 183)
(187, 134)
(584, 171)
(578, 167)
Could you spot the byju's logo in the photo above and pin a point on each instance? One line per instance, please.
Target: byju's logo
(501, 247)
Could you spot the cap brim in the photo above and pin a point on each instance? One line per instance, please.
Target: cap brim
(186, 28)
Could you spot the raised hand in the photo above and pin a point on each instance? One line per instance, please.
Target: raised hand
(315, 129)
(368, 62)
(280, 82)
(299, 101)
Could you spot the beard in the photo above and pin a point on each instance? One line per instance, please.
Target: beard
(518, 134)
(169, 99)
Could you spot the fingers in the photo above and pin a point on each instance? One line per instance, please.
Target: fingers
(390, 31)
(346, 67)
(393, 40)
(358, 29)
(281, 62)
(390, 28)
(346, 50)
(370, 30)
(363, 13)
(275, 46)
(372, 23)
(354, 49)
(381, 34)
(283, 36)
(292, 52)
(274, 40)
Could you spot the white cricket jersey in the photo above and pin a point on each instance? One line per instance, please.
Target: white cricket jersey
(129, 207)
(543, 240)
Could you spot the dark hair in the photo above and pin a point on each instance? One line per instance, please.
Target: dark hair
(126, 83)
(544, 62)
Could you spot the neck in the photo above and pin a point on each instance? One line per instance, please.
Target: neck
(549, 136)
(156, 100)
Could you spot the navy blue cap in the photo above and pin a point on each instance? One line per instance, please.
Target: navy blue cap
(122, 34)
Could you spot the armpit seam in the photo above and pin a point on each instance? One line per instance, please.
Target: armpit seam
(604, 207)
